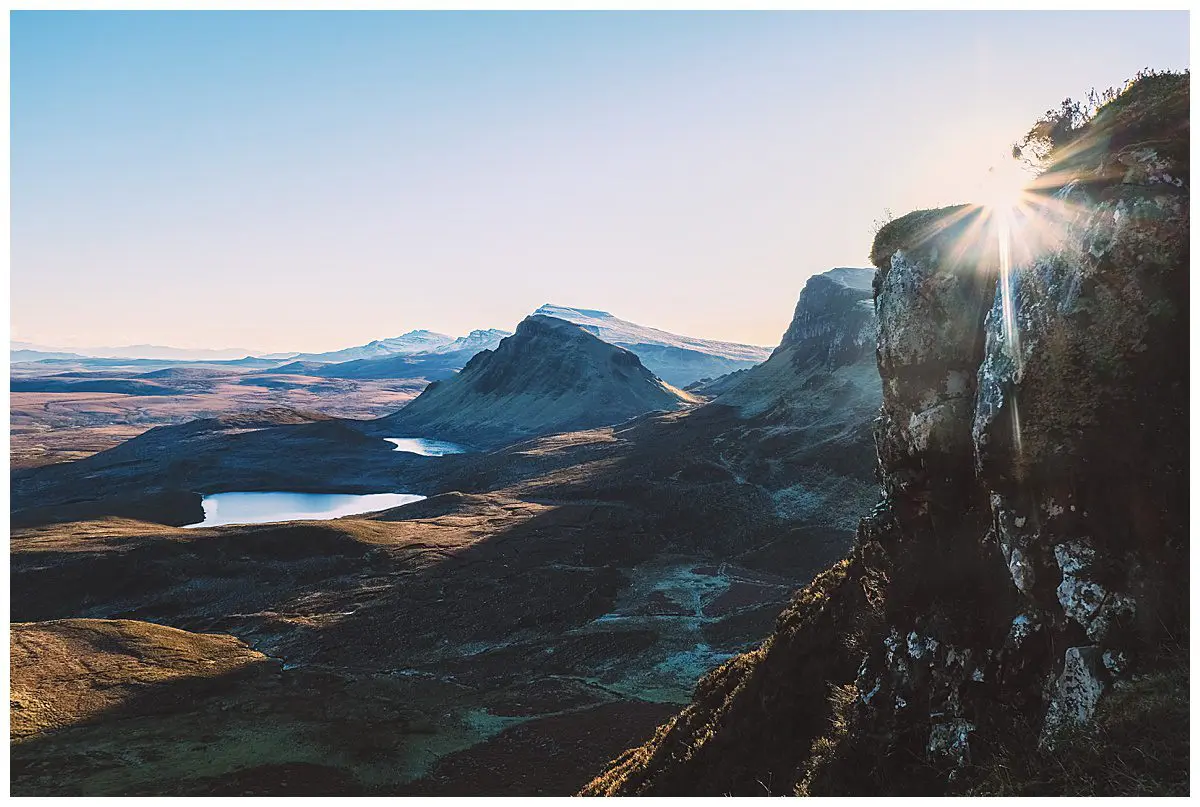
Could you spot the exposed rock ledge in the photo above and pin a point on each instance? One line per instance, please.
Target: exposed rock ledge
(1029, 560)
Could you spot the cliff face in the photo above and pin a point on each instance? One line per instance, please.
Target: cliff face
(831, 339)
(834, 322)
(1027, 568)
(803, 416)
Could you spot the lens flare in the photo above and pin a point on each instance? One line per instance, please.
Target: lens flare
(1004, 194)
(1017, 218)
(1004, 187)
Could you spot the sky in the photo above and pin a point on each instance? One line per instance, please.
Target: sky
(304, 181)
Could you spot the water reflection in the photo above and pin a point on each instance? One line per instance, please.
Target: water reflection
(270, 506)
(426, 448)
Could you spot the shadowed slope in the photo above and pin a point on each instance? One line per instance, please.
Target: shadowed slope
(550, 376)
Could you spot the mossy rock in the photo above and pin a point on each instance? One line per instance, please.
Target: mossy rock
(912, 230)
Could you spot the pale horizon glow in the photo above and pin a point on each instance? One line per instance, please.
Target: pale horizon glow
(307, 181)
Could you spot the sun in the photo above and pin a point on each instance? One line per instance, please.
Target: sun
(1004, 186)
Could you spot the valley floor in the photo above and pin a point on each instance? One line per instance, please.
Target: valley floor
(546, 606)
(509, 640)
(51, 427)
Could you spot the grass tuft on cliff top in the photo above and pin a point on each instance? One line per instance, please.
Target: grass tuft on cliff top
(911, 229)
(1081, 141)
(1073, 142)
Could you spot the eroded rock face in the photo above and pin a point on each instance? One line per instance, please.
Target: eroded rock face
(1023, 446)
(834, 323)
(929, 300)
(1030, 554)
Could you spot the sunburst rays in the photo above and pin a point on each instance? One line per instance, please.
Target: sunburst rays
(1019, 218)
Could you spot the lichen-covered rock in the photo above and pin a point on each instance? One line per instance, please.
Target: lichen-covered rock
(1030, 555)
(1077, 691)
(949, 740)
(929, 304)
(1043, 495)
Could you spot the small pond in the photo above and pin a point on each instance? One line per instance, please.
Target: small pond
(270, 506)
(426, 448)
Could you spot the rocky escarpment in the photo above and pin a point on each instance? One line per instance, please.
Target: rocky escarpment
(834, 321)
(1013, 617)
(804, 415)
(831, 339)
(550, 376)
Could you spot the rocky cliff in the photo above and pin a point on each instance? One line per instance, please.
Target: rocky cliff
(1013, 616)
(834, 321)
(831, 336)
(803, 417)
(550, 376)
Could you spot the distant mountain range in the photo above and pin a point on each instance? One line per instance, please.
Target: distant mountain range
(418, 354)
(24, 354)
(419, 342)
(29, 351)
(678, 360)
(414, 341)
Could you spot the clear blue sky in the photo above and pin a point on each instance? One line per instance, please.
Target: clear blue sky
(305, 181)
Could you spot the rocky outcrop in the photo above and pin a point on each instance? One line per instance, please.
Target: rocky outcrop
(1029, 557)
(834, 323)
(831, 340)
(805, 414)
(550, 376)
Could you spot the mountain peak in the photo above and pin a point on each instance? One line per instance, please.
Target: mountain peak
(834, 322)
(833, 328)
(550, 376)
(851, 278)
(422, 333)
